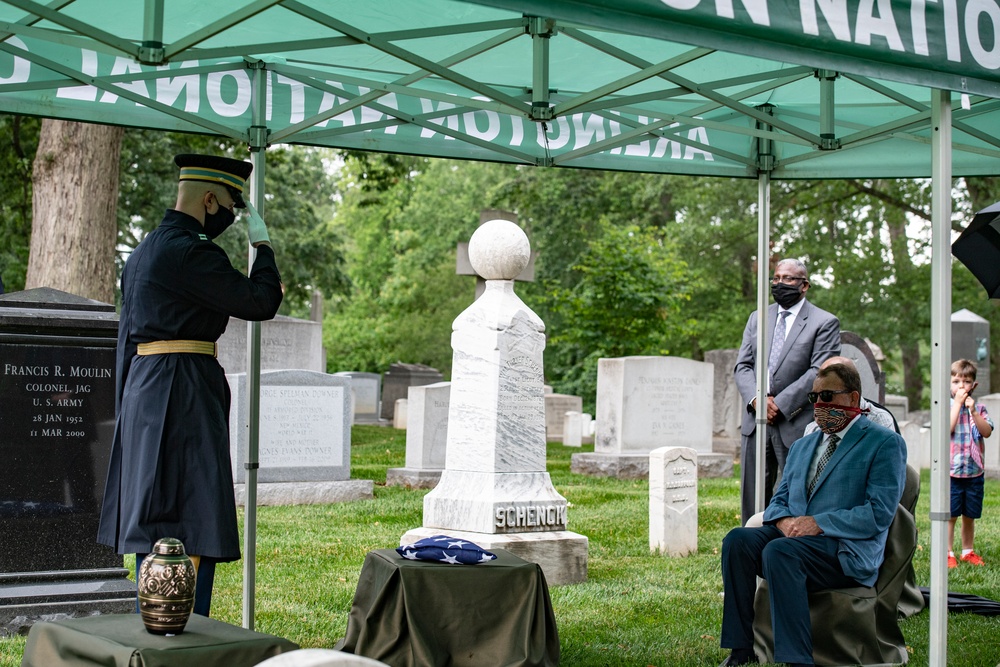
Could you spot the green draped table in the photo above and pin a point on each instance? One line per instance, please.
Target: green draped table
(411, 613)
(121, 640)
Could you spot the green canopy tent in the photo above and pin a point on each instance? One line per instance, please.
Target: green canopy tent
(757, 89)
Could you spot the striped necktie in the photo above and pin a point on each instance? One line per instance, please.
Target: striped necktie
(831, 447)
(777, 342)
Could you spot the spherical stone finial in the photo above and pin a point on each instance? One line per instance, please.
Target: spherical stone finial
(499, 250)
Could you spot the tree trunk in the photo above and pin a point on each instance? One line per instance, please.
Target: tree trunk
(74, 224)
(913, 386)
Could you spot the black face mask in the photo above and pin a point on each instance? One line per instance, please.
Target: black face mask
(218, 222)
(784, 295)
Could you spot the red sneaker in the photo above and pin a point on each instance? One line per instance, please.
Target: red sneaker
(973, 558)
(952, 562)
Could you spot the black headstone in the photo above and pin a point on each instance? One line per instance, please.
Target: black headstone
(57, 412)
(396, 383)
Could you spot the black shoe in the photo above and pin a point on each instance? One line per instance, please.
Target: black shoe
(740, 657)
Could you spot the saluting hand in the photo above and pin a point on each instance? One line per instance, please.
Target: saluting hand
(257, 228)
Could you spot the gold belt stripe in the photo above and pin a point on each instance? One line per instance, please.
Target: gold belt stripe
(178, 346)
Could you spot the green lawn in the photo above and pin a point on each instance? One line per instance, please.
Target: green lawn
(635, 609)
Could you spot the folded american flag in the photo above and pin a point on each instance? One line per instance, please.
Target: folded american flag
(445, 549)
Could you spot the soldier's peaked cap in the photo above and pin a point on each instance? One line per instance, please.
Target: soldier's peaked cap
(214, 169)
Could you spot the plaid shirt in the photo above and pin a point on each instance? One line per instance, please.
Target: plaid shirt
(967, 444)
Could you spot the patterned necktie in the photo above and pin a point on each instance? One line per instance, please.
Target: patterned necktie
(831, 447)
(777, 342)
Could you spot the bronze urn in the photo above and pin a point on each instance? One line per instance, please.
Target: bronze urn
(166, 581)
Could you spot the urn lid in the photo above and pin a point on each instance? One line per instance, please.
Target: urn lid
(169, 546)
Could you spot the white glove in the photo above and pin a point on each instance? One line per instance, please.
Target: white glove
(257, 228)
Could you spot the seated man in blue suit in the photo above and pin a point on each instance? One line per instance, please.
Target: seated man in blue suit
(825, 527)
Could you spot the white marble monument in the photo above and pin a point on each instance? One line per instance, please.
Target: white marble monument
(647, 402)
(426, 437)
(673, 501)
(495, 490)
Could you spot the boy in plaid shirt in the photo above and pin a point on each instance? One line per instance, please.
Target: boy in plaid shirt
(969, 426)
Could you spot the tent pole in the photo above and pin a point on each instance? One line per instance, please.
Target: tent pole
(763, 335)
(257, 157)
(765, 163)
(940, 374)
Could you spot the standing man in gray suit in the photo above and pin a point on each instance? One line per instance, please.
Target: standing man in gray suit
(803, 337)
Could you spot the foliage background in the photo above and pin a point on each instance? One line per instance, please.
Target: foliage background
(628, 264)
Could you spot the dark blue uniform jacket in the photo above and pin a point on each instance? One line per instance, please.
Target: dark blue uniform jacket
(170, 473)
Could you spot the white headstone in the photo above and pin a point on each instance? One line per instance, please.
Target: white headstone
(305, 426)
(727, 404)
(556, 407)
(918, 444)
(285, 343)
(992, 458)
(573, 429)
(673, 501)
(366, 389)
(899, 406)
(644, 403)
(397, 381)
(399, 414)
(495, 489)
(427, 425)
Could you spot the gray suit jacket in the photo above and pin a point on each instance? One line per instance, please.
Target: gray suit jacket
(813, 338)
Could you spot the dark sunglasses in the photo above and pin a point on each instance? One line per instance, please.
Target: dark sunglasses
(826, 395)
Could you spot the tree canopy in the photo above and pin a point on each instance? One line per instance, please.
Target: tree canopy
(628, 264)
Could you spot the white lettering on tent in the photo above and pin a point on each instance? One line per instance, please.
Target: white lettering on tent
(918, 26)
(700, 135)
(834, 12)
(757, 9)
(213, 89)
(452, 121)
(973, 12)
(329, 101)
(589, 131)
(562, 137)
(884, 24)
(517, 130)
(641, 148)
(492, 130)
(20, 68)
(297, 101)
(662, 143)
(951, 39)
(126, 66)
(169, 88)
(88, 66)
(681, 4)
(370, 115)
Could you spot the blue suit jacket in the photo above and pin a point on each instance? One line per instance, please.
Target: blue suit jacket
(856, 496)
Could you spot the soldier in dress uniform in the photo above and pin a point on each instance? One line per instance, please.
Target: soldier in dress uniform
(170, 473)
